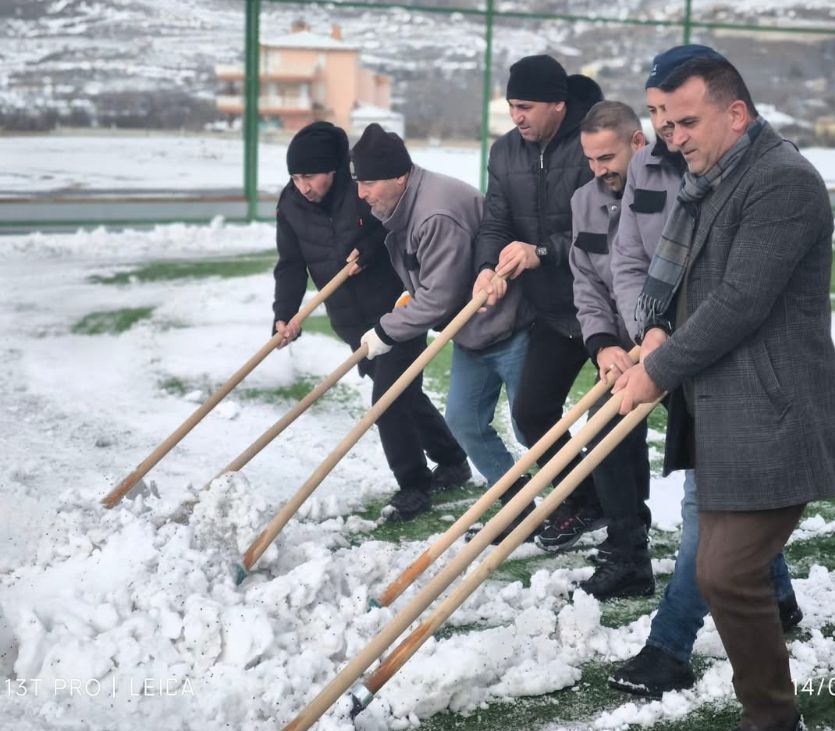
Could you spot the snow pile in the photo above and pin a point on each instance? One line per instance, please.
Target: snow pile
(130, 618)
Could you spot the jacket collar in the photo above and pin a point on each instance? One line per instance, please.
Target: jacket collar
(402, 212)
(766, 140)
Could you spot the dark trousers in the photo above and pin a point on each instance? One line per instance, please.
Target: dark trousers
(412, 426)
(552, 363)
(622, 479)
(733, 570)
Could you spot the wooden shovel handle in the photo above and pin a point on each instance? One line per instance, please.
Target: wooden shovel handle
(277, 341)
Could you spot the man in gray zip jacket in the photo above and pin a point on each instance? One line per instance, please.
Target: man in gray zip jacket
(609, 135)
(432, 220)
(652, 184)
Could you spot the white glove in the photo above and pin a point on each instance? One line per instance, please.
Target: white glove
(375, 345)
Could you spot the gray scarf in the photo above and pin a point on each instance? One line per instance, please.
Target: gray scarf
(666, 270)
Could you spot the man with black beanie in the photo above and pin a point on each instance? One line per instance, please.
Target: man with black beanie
(321, 224)
(526, 234)
(432, 220)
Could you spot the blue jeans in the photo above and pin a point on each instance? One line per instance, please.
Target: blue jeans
(682, 610)
(475, 384)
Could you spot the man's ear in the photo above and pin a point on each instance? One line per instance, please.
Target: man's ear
(740, 117)
(638, 140)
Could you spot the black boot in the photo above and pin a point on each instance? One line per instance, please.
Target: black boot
(628, 569)
(406, 504)
(509, 494)
(447, 476)
(651, 673)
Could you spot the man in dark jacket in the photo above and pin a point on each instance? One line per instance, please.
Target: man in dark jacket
(742, 271)
(321, 224)
(526, 232)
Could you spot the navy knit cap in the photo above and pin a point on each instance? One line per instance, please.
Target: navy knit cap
(320, 147)
(671, 59)
(537, 79)
(379, 155)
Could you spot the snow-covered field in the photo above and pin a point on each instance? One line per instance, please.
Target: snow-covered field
(127, 620)
(51, 163)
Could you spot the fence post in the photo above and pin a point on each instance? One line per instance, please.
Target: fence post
(486, 94)
(251, 92)
(687, 25)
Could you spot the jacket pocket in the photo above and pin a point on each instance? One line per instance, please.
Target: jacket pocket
(648, 201)
(592, 243)
(768, 378)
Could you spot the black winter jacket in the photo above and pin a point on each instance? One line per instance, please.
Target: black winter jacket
(529, 199)
(317, 238)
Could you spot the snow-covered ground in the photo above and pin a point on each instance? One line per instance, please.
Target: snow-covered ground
(40, 164)
(126, 620)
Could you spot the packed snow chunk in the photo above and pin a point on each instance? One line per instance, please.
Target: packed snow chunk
(462, 672)
(201, 643)
(532, 678)
(579, 621)
(8, 646)
(229, 515)
(228, 410)
(535, 621)
(247, 634)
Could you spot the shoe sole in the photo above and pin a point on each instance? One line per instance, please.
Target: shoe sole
(630, 591)
(556, 548)
(390, 514)
(642, 690)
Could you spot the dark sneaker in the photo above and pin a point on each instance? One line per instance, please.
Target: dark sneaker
(447, 476)
(557, 536)
(473, 530)
(619, 577)
(406, 504)
(790, 613)
(509, 494)
(651, 673)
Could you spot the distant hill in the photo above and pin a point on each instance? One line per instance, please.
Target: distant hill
(149, 63)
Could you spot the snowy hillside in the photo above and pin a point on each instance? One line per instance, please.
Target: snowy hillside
(150, 63)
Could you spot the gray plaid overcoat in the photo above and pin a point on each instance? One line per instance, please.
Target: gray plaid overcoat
(757, 344)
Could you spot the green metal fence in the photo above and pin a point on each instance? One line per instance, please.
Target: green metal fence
(490, 14)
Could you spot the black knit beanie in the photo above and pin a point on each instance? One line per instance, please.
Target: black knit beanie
(379, 155)
(537, 79)
(318, 148)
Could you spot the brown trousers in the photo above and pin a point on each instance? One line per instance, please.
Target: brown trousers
(733, 572)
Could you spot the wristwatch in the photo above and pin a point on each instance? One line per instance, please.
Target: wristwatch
(541, 251)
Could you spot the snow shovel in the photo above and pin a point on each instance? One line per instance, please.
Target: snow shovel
(288, 418)
(275, 526)
(363, 693)
(457, 529)
(277, 341)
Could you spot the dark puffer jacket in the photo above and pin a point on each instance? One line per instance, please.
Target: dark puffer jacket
(317, 238)
(529, 199)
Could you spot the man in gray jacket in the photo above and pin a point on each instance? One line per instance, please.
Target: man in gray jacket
(652, 183)
(610, 134)
(743, 271)
(432, 220)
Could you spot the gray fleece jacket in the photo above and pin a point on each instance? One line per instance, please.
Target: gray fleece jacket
(595, 212)
(430, 242)
(652, 183)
